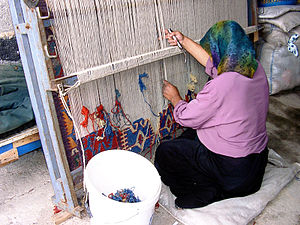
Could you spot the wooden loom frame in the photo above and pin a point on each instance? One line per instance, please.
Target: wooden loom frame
(29, 29)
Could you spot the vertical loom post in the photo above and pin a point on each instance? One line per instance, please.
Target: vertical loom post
(27, 29)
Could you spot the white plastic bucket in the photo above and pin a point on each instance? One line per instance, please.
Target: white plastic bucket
(114, 170)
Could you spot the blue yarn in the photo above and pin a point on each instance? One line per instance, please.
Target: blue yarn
(124, 195)
(118, 94)
(108, 129)
(143, 88)
(141, 84)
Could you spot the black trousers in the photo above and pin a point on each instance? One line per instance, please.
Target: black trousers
(198, 176)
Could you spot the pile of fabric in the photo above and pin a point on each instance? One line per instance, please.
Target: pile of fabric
(279, 47)
(16, 111)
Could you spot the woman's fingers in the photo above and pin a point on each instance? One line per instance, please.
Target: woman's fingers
(167, 85)
(170, 37)
(171, 93)
(165, 89)
(171, 41)
(169, 90)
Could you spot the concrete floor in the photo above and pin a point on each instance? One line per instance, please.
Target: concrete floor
(26, 190)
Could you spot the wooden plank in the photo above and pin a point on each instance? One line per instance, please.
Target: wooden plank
(19, 136)
(61, 217)
(8, 157)
(26, 140)
(29, 147)
(254, 19)
(18, 145)
(6, 148)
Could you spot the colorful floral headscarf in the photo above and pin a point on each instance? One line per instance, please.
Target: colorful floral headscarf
(230, 48)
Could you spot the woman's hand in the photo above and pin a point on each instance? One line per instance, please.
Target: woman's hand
(189, 45)
(177, 34)
(171, 93)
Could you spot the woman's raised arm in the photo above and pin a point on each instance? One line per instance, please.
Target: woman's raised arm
(189, 45)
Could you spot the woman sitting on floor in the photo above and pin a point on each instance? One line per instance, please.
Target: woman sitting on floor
(223, 153)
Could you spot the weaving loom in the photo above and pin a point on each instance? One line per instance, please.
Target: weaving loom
(107, 59)
(109, 44)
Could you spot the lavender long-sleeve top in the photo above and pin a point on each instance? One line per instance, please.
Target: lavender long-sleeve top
(230, 112)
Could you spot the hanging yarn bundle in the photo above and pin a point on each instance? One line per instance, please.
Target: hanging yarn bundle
(191, 86)
(85, 112)
(143, 88)
(105, 135)
(119, 117)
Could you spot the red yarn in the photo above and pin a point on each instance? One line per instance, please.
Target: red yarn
(92, 118)
(100, 112)
(85, 112)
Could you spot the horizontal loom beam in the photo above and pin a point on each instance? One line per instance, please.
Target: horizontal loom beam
(130, 62)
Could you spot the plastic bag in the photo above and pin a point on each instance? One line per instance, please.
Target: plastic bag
(281, 66)
(276, 11)
(286, 22)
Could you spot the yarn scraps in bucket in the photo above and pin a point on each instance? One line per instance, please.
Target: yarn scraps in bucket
(124, 195)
